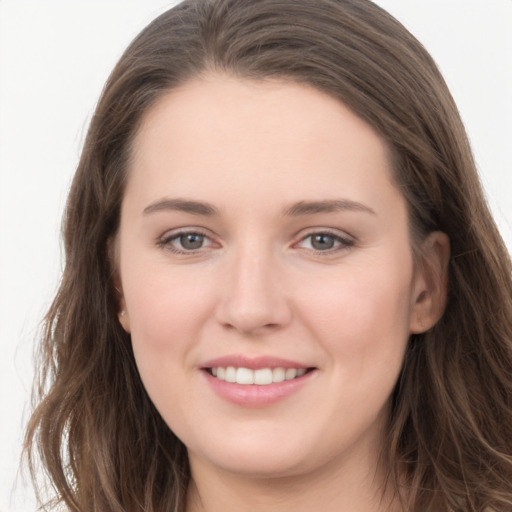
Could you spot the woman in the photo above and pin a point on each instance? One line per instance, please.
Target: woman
(283, 288)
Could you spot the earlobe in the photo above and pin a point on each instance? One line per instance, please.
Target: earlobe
(124, 320)
(122, 315)
(430, 288)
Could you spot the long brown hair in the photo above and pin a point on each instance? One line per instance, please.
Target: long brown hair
(102, 443)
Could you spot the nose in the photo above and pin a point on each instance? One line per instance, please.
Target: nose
(253, 301)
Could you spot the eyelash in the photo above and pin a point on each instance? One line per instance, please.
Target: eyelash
(166, 241)
(344, 243)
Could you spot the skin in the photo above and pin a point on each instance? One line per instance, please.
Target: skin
(257, 285)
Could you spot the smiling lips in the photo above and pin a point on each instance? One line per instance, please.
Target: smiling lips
(261, 377)
(255, 382)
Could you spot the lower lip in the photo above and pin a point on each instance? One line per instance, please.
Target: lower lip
(254, 395)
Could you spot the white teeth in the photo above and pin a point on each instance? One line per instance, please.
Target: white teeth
(278, 374)
(290, 374)
(244, 376)
(261, 377)
(230, 374)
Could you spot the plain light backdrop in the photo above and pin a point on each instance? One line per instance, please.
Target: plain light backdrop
(54, 59)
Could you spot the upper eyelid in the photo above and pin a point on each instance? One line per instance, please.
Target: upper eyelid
(336, 233)
(173, 233)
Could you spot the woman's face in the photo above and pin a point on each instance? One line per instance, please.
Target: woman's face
(262, 239)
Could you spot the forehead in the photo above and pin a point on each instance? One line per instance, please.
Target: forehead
(221, 103)
(220, 130)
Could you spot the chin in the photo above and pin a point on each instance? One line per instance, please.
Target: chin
(269, 458)
(270, 467)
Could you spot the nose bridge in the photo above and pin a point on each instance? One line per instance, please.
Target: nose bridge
(253, 298)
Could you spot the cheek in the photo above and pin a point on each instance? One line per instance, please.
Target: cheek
(362, 317)
(362, 327)
(360, 306)
(167, 311)
(166, 314)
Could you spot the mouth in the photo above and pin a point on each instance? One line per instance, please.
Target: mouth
(256, 382)
(258, 377)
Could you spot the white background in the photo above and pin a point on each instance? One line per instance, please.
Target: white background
(55, 57)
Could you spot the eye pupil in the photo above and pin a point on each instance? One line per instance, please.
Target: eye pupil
(191, 241)
(322, 242)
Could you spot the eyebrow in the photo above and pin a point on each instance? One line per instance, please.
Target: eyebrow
(326, 206)
(297, 209)
(182, 205)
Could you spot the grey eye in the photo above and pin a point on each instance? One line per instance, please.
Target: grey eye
(191, 241)
(322, 242)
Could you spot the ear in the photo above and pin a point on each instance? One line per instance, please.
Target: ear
(122, 315)
(124, 320)
(430, 286)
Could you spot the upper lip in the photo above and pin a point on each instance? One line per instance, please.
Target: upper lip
(253, 363)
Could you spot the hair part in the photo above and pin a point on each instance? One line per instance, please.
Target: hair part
(449, 447)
